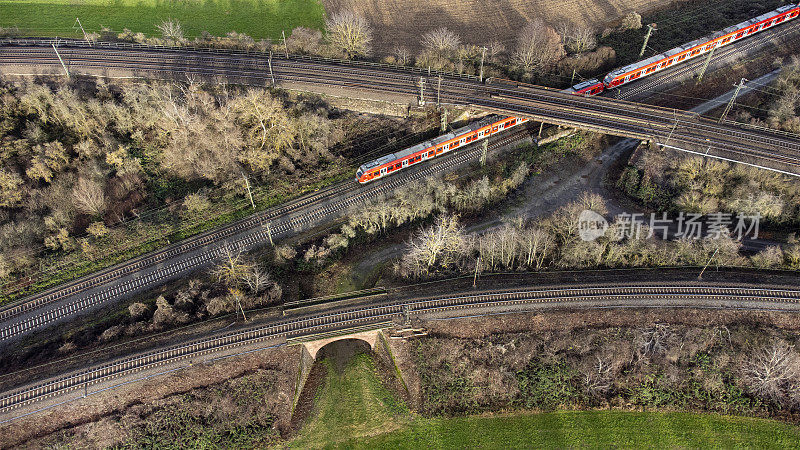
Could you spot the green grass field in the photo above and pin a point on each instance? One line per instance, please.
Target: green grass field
(351, 404)
(592, 429)
(354, 410)
(257, 18)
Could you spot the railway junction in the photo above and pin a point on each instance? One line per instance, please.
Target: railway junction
(662, 127)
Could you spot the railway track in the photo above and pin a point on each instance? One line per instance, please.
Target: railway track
(198, 252)
(650, 85)
(758, 147)
(523, 299)
(665, 126)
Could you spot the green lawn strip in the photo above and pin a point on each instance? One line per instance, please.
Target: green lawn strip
(594, 429)
(351, 404)
(257, 18)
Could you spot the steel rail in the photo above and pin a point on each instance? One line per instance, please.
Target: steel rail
(27, 315)
(523, 299)
(624, 118)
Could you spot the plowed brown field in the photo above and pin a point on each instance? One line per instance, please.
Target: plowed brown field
(403, 22)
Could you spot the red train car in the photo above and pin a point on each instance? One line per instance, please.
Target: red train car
(693, 49)
(701, 46)
(393, 162)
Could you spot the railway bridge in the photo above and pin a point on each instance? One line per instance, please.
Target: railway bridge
(668, 127)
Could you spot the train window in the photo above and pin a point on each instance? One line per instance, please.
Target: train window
(430, 154)
(740, 34)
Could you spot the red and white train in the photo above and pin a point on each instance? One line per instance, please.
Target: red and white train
(693, 49)
(391, 163)
(484, 128)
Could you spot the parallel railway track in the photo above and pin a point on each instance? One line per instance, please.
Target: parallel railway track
(28, 315)
(662, 125)
(612, 116)
(603, 296)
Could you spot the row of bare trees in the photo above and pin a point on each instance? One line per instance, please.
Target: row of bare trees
(554, 242)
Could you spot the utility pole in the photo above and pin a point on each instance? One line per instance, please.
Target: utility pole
(271, 75)
(705, 65)
(700, 277)
(572, 81)
(421, 91)
(269, 233)
(483, 54)
(61, 60)
(483, 152)
(249, 193)
(438, 90)
(444, 120)
(650, 29)
(237, 295)
(541, 127)
(85, 36)
(733, 99)
(475, 278)
(285, 47)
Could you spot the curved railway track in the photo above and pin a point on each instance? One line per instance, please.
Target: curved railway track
(518, 300)
(665, 126)
(611, 116)
(31, 314)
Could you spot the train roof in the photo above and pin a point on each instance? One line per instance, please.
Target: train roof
(585, 84)
(645, 62)
(377, 162)
(385, 159)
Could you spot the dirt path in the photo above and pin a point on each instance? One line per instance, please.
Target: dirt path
(539, 196)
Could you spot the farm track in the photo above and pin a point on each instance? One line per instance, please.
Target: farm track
(397, 309)
(664, 126)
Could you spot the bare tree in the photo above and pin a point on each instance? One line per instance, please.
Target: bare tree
(441, 41)
(233, 266)
(597, 377)
(440, 243)
(349, 33)
(653, 340)
(401, 55)
(538, 46)
(577, 38)
(88, 197)
(768, 258)
(632, 21)
(11, 192)
(304, 40)
(171, 30)
(256, 279)
(772, 370)
(236, 271)
(495, 49)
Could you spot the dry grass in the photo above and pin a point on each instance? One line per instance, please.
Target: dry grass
(402, 22)
(112, 417)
